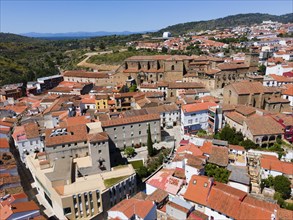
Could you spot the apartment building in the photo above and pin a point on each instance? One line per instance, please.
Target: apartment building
(169, 114)
(132, 131)
(195, 117)
(27, 139)
(73, 188)
(79, 141)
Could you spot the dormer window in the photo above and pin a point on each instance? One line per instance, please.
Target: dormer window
(194, 182)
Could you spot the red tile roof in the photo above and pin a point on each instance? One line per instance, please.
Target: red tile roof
(77, 133)
(190, 148)
(236, 147)
(4, 143)
(263, 125)
(206, 147)
(198, 189)
(196, 107)
(236, 117)
(20, 207)
(249, 87)
(252, 208)
(281, 78)
(272, 163)
(130, 120)
(219, 156)
(288, 91)
(225, 199)
(131, 207)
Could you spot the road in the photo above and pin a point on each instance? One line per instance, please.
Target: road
(102, 67)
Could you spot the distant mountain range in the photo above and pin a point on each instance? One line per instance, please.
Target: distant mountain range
(77, 34)
(225, 22)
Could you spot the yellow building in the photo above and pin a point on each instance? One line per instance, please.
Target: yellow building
(101, 102)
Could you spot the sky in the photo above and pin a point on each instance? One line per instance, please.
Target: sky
(61, 16)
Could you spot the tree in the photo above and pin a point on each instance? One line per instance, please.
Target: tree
(129, 151)
(262, 69)
(269, 182)
(219, 174)
(130, 48)
(164, 50)
(142, 172)
(283, 185)
(278, 197)
(227, 134)
(102, 46)
(248, 144)
(150, 143)
(133, 88)
(92, 47)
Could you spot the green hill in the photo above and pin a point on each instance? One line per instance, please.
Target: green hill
(226, 22)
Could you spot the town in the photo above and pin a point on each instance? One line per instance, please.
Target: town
(201, 129)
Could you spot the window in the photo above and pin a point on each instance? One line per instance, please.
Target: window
(194, 182)
(99, 151)
(67, 210)
(139, 132)
(189, 121)
(114, 129)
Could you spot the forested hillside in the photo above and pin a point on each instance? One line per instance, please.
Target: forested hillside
(226, 22)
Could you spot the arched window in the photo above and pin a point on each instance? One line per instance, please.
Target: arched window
(172, 67)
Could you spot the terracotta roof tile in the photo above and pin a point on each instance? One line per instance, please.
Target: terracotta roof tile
(198, 106)
(190, 148)
(74, 134)
(288, 91)
(263, 125)
(272, 163)
(198, 189)
(4, 143)
(130, 120)
(31, 130)
(102, 136)
(206, 147)
(157, 196)
(245, 110)
(231, 66)
(249, 87)
(236, 117)
(185, 85)
(219, 156)
(132, 206)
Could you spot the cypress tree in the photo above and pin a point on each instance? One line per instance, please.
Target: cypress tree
(150, 142)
